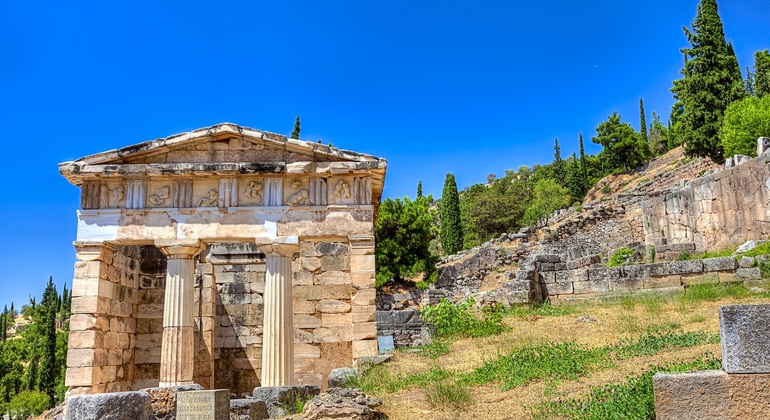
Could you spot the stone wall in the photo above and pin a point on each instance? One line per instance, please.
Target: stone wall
(149, 317)
(104, 300)
(716, 211)
(406, 327)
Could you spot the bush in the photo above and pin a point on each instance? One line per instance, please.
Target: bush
(621, 256)
(453, 320)
(27, 404)
(744, 122)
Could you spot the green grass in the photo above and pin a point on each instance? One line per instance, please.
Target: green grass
(448, 394)
(654, 340)
(377, 379)
(542, 309)
(631, 399)
(727, 252)
(463, 320)
(714, 291)
(761, 249)
(437, 347)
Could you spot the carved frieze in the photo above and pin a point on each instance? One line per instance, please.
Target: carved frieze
(253, 192)
(342, 190)
(89, 195)
(228, 192)
(210, 200)
(299, 198)
(273, 191)
(160, 196)
(135, 194)
(183, 193)
(318, 191)
(362, 190)
(109, 198)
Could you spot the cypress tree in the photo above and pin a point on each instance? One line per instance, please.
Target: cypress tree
(558, 164)
(762, 73)
(711, 81)
(419, 189)
(451, 231)
(4, 322)
(643, 122)
(47, 311)
(13, 311)
(583, 166)
(295, 132)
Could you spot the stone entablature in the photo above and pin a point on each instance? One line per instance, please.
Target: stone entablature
(226, 256)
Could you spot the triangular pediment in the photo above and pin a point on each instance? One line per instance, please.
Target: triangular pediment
(223, 143)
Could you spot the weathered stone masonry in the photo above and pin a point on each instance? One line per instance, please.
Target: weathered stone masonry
(227, 257)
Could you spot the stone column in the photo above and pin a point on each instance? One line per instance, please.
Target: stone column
(278, 330)
(177, 350)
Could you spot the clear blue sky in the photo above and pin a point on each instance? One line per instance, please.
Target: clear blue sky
(470, 88)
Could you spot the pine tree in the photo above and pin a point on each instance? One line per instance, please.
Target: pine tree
(419, 189)
(711, 81)
(749, 83)
(762, 73)
(451, 230)
(295, 132)
(643, 122)
(47, 311)
(13, 311)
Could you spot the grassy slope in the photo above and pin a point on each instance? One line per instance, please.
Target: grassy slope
(409, 375)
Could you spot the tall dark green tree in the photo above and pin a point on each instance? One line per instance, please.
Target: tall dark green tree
(47, 318)
(643, 122)
(711, 81)
(419, 189)
(4, 323)
(584, 167)
(658, 135)
(558, 165)
(295, 132)
(451, 228)
(761, 73)
(574, 179)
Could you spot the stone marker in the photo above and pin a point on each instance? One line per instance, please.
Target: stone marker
(203, 405)
(131, 405)
(693, 395)
(745, 333)
(385, 343)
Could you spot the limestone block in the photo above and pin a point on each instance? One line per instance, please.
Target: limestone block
(310, 264)
(332, 306)
(336, 320)
(364, 330)
(363, 280)
(302, 336)
(746, 262)
(694, 395)
(247, 363)
(558, 288)
(362, 263)
(79, 376)
(153, 310)
(658, 269)
(333, 277)
(364, 297)
(685, 267)
(86, 340)
(302, 366)
(363, 313)
(597, 286)
(749, 396)
(363, 348)
(86, 357)
(332, 334)
(123, 325)
(335, 291)
(302, 306)
(699, 278)
(343, 263)
(603, 273)
(306, 321)
(752, 273)
(745, 331)
(83, 322)
(90, 305)
(719, 264)
(302, 278)
(306, 351)
(662, 282)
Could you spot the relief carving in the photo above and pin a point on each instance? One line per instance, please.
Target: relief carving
(273, 191)
(253, 191)
(108, 199)
(342, 190)
(300, 197)
(183, 194)
(211, 199)
(318, 191)
(362, 189)
(160, 196)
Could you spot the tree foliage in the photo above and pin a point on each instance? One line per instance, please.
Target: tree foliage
(449, 212)
(548, 196)
(403, 234)
(711, 81)
(623, 147)
(643, 122)
(295, 132)
(744, 122)
(658, 136)
(762, 73)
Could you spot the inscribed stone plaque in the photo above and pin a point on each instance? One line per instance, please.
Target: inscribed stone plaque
(203, 405)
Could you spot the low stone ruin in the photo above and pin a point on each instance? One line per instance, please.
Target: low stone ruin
(741, 390)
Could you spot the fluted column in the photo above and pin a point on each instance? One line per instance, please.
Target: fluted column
(278, 330)
(177, 346)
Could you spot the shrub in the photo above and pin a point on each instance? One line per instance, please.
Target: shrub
(450, 319)
(452, 394)
(744, 122)
(27, 404)
(621, 256)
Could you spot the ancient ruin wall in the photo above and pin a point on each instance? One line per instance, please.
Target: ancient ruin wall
(716, 211)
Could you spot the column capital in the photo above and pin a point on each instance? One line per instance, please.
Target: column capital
(179, 248)
(284, 250)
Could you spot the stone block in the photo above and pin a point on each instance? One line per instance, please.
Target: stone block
(203, 405)
(310, 264)
(662, 282)
(685, 267)
(333, 277)
(720, 264)
(302, 278)
(84, 357)
(248, 409)
(86, 340)
(597, 286)
(749, 396)
(694, 395)
(335, 291)
(745, 331)
(79, 376)
(603, 273)
(752, 273)
(364, 297)
(746, 262)
(363, 280)
(362, 263)
(363, 313)
(332, 306)
(131, 405)
(558, 288)
(336, 320)
(306, 351)
(306, 321)
(332, 334)
(302, 306)
(362, 348)
(343, 263)
(364, 331)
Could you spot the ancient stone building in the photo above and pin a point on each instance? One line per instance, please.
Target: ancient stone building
(226, 256)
